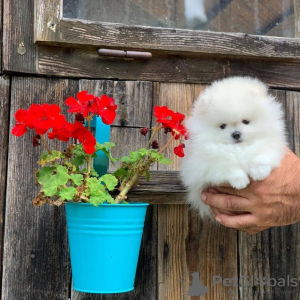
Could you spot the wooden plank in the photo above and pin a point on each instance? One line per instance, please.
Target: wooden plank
(19, 51)
(47, 20)
(274, 252)
(80, 32)
(36, 259)
(297, 18)
(134, 99)
(1, 33)
(186, 243)
(84, 62)
(4, 125)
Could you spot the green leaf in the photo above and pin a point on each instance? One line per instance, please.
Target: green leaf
(76, 178)
(67, 193)
(94, 173)
(95, 186)
(106, 145)
(78, 151)
(50, 187)
(120, 173)
(153, 154)
(44, 174)
(143, 151)
(135, 155)
(78, 160)
(95, 200)
(126, 160)
(61, 169)
(165, 161)
(147, 175)
(49, 157)
(59, 179)
(101, 198)
(110, 181)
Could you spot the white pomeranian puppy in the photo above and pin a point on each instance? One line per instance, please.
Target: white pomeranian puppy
(236, 131)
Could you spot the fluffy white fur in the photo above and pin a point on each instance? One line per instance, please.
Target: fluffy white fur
(213, 156)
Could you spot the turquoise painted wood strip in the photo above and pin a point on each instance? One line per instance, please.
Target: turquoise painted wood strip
(102, 134)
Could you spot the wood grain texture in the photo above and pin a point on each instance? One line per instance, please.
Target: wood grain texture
(47, 20)
(297, 18)
(274, 253)
(134, 100)
(84, 62)
(1, 34)
(175, 40)
(187, 243)
(19, 51)
(4, 132)
(36, 259)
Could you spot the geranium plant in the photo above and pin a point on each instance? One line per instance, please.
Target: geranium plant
(68, 175)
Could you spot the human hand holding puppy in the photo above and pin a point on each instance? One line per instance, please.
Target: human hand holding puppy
(275, 201)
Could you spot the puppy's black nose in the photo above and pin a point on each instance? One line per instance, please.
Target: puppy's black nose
(236, 135)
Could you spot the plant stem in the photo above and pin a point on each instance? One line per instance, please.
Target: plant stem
(45, 143)
(127, 188)
(158, 127)
(166, 145)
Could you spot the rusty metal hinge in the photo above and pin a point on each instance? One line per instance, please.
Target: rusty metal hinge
(124, 53)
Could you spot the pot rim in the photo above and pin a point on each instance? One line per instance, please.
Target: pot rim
(108, 204)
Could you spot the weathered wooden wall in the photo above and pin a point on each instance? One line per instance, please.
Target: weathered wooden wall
(175, 243)
(33, 241)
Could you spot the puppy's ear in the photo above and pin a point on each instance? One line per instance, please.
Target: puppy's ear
(202, 103)
(259, 89)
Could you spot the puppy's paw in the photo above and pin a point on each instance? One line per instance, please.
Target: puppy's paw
(240, 182)
(239, 179)
(259, 172)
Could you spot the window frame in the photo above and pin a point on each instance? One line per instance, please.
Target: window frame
(52, 29)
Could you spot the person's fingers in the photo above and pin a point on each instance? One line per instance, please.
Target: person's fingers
(226, 202)
(241, 222)
(216, 211)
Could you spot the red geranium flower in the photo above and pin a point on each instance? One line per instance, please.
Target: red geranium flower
(20, 128)
(179, 150)
(84, 136)
(171, 120)
(105, 107)
(163, 114)
(43, 117)
(38, 117)
(63, 134)
(82, 105)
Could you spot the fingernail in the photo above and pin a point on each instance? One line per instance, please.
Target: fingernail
(218, 219)
(203, 197)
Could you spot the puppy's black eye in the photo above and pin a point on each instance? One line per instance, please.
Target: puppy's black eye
(246, 122)
(223, 126)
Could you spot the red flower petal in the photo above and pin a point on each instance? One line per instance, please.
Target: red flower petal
(53, 110)
(20, 115)
(179, 150)
(19, 130)
(108, 116)
(71, 101)
(84, 97)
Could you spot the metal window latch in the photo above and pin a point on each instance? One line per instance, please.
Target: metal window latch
(124, 53)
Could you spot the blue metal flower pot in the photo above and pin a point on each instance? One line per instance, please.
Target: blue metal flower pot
(104, 245)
